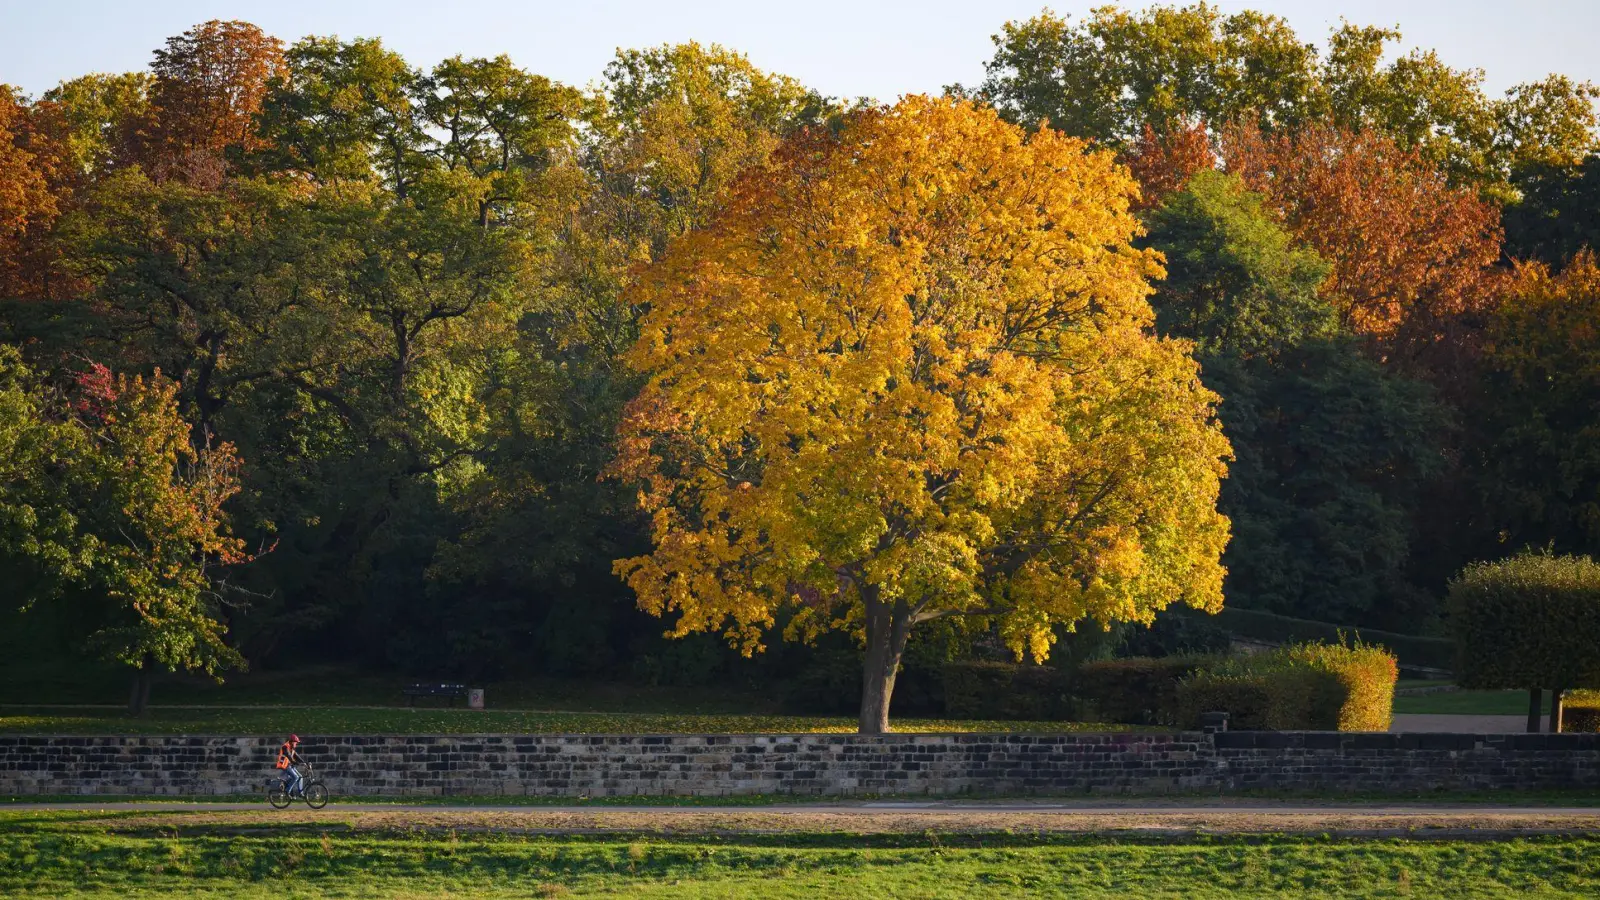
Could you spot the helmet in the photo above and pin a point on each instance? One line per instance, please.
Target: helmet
(294, 738)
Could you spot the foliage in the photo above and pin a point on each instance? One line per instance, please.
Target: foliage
(1558, 215)
(1580, 711)
(991, 688)
(1135, 690)
(852, 409)
(1535, 429)
(1407, 251)
(112, 509)
(1113, 73)
(1321, 687)
(1235, 281)
(1529, 621)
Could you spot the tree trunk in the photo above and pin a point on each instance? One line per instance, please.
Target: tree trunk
(139, 697)
(1535, 695)
(1555, 710)
(887, 627)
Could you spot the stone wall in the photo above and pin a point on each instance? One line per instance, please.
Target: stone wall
(821, 764)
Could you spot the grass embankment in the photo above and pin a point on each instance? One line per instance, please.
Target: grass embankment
(57, 854)
(333, 720)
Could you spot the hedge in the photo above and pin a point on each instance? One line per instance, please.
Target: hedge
(999, 690)
(1313, 687)
(1581, 711)
(1531, 621)
(1136, 691)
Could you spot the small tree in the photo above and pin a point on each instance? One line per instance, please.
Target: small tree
(1531, 621)
(908, 374)
(108, 503)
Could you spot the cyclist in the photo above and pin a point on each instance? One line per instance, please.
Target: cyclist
(289, 761)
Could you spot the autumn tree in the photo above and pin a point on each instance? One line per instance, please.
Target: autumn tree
(207, 87)
(35, 175)
(1408, 252)
(906, 375)
(108, 504)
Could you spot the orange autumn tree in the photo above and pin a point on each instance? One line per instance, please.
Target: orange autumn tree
(908, 373)
(208, 86)
(1408, 253)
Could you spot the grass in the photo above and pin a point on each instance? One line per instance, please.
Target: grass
(333, 720)
(56, 855)
(1468, 703)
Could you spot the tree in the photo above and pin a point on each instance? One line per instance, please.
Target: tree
(34, 172)
(1531, 621)
(1115, 72)
(1408, 252)
(1112, 73)
(1534, 426)
(117, 513)
(1559, 213)
(906, 375)
(1236, 283)
(1329, 447)
(207, 89)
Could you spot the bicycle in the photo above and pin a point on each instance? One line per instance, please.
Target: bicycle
(313, 791)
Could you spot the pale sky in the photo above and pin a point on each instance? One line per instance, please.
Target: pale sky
(876, 48)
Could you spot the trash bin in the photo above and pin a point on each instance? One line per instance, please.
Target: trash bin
(475, 698)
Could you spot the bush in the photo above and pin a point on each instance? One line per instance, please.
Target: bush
(1312, 687)
(1138, 691)
(1531, 621)
(999, 690)
(1581, 711)
(1176, 634)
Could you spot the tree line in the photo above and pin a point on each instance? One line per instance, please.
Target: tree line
(311, 353)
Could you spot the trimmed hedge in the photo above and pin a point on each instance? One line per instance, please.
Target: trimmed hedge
(999, 690)
(1312, 687)
(1581, 711)
(1137, 691)
(1531, 621)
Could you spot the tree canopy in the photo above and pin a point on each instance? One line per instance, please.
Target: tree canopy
(905, 375)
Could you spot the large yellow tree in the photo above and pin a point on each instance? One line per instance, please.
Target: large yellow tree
(908, 373)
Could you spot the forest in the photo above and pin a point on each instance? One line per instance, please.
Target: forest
(308, 354)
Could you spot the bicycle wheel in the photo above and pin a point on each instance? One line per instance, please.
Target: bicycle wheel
(277, 796)
(316, 795)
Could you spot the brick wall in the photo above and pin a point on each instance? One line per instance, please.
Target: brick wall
(620, 765)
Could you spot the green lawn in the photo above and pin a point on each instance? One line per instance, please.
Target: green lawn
(1479, 703)
(332, 720)
(45, 856)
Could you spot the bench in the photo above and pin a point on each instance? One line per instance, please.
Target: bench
(452, 691)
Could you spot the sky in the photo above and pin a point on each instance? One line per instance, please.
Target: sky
(873, 48)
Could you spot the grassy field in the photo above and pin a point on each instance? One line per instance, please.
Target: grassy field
(57, 854)
(333, 720)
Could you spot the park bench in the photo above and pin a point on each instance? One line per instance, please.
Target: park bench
(452, 691)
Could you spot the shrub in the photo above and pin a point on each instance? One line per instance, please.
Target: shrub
(1281, 700)
(1531, 621)
(999, 690)
(1581, 711)
(1258, 625)
(1138, 691)
(1317, 687)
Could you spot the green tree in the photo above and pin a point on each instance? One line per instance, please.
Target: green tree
(1330, 450)
(106, 502)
